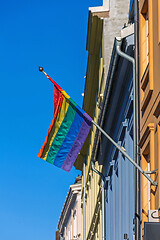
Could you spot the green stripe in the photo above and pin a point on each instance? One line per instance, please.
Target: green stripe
(58, 121)
(72, 102)
(61, 134)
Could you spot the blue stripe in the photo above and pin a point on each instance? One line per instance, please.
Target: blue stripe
(80, 110)
(68, 141)
(61, 134)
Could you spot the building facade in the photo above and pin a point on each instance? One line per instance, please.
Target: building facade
(104, 24)
(108, 99)
(149, 24)
(118, 123)
(69, 225)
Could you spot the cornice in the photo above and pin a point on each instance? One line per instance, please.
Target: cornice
(70, 199)
(104, 8)
(149, 128)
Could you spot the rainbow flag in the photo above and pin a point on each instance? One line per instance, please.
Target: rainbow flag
(67, 132)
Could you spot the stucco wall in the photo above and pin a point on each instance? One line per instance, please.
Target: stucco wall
(101, 34)
(70, 222)
(118, 16)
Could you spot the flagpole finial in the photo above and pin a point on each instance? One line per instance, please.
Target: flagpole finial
(41, 69)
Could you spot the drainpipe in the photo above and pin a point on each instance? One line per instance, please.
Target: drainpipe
(137, 173)
(103, 211)
(132, 60)
(103, 200)
(84, 199)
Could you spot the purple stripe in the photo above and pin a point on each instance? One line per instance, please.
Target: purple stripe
(88, 119)
(77, 145)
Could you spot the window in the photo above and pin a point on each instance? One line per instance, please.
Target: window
(147, 145)
(74, 224)
(147, 38)
(144, 35)
(146, 155)
(146, 57)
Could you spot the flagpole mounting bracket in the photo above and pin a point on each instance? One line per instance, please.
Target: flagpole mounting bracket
(128, 157)
(151, 172)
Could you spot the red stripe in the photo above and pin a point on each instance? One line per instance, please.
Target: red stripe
(55, 84)
(57, 109)
(57, 95)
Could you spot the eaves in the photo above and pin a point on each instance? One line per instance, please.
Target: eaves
(110, 78)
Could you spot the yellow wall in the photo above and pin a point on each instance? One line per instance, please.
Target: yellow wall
(94, 89)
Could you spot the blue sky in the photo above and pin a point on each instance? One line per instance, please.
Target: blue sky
(51, 34)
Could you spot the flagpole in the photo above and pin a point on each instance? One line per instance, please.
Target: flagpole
(41, 69)
(126, 155)
(122, 150)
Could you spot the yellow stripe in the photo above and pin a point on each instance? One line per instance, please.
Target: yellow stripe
(56, 126)
(65, 94)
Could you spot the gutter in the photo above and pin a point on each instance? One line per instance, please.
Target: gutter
(111, 71)
(130, 59)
